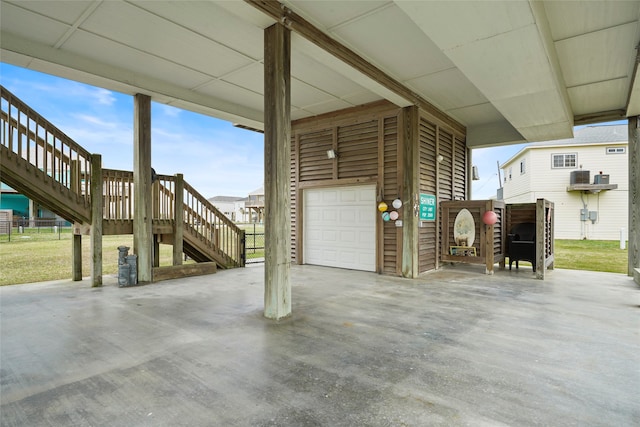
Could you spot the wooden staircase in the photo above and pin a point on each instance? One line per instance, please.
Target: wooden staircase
(41, 162)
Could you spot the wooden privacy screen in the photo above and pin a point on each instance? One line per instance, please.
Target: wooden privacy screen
(489, 245)
(542, 214)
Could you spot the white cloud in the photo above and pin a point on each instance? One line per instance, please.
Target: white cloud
(94, 121)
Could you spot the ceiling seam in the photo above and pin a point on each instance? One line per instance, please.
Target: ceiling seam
(149, 53)
(595, 82)
(81, 19)
(227, 74)
(244, 55)
(359, 17)
(635, 22)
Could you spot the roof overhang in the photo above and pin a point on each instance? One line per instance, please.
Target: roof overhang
(507, 71)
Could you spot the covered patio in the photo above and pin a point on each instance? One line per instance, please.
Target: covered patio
(453, 347)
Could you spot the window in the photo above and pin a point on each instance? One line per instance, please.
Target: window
(564, 160)
(616, 150)
(522, 168)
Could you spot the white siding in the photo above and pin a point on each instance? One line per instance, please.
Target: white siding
(543, 181)
(517, 187)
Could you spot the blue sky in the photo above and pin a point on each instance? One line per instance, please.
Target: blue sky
(215, 157)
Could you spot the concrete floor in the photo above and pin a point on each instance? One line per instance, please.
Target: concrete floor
(455, 347)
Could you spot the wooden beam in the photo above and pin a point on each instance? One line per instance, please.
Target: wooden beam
(277, 158)
(301, 26)
(96, 220)
(187, 270)
(142, 200)
(634, 194)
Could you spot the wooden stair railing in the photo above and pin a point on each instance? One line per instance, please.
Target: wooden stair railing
(207, 230)
(42, 162)
(207, 233)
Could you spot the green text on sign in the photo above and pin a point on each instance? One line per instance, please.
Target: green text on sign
(427, 207)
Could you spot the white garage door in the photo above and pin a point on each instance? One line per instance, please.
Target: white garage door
(339, 227)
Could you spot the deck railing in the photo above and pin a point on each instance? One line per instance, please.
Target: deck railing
(29, 136)
(202, 219)
(118, 194)
(209, 223)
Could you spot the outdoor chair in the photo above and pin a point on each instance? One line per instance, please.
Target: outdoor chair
(521, 244)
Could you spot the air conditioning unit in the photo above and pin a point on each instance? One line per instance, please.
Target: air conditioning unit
(601, 179)
(579, 177)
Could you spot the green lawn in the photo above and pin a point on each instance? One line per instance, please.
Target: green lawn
(42, 256)
(594, 255)
(36, 260)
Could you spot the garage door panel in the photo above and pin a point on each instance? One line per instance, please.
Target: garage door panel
(339, 227)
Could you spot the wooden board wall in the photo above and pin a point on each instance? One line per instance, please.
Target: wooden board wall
(446, 179)
(367, 140)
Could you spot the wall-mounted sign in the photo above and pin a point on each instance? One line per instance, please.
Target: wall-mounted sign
(427, 207)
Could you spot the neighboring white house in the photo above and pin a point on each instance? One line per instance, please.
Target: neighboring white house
(586, 177)
(232, 207)
(242, 209)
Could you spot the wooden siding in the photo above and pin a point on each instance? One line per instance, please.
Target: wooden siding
(447, 180)
(358, 150)
(427, 232)
(391, 184)
(293, 188)
(314, 164)
(460, 183)
(367, 140)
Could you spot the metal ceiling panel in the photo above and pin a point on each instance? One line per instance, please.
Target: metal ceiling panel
(360, 98)
(156, 36)
(211, 21)
(601, 96)
(232, 93)
(250, 77)
(40, 28)
(478, 114)
(573, 18)
(64, 11)
(327, 107)
(139, 63)
(448, 89)
(381, 37)
(332, 14)
(307, 68)
(451, 24)
(506, 65)
(601, 55)
(303, 94)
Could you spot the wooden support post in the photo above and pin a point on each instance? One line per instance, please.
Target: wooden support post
(76, 257)
(178, 221)
(76, 244)
(277, 158)
(156, 250)
(96, 220)
(488, 242)
(411, 187)
(634, 195)
(541, 243)
(142, 230)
